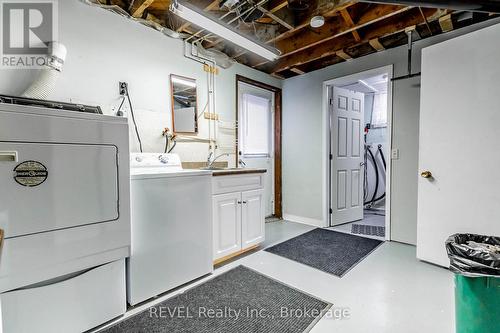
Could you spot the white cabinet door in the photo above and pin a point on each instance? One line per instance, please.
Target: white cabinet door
(252, 220)
(227, 224)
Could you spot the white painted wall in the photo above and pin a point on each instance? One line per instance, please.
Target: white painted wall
(304, 161)
(104, 48)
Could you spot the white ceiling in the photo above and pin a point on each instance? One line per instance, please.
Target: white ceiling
(376, 84)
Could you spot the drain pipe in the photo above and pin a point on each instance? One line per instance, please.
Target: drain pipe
(410, 52)
(44, 84)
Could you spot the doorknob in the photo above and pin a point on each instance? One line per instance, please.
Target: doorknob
(426, 174)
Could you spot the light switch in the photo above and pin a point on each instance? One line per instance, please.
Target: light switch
(395, 154)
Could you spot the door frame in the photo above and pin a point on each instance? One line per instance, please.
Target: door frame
(278, 210)
(327, 129)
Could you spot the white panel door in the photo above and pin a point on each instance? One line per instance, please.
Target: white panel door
(227, 224)
(253, 220)
(255, 135)
(347, 146)
(459, 133)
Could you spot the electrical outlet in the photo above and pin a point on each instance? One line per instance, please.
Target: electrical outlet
(123, 88)
(395, 154)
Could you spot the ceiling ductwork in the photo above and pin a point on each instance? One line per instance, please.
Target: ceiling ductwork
(489, 6)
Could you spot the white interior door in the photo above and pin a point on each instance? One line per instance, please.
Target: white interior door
(459, 133)
(255, 135)
(347, 147)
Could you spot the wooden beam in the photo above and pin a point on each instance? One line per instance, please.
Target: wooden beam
(140, 7)
(396, 24)
(278, 76)
(446, 23)
(297, 71)
(375, 43)
(334, 28)
(341, 4)
(282, 4)
(342, 54)
(350, 23)
(276, 18)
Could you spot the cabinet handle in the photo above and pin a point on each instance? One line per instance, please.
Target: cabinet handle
(239, 202)
(244, 202)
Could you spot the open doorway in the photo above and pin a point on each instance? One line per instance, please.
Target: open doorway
(259, 136)
(360, 140)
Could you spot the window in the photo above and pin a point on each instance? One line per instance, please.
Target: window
(379, 114)
(256, 122)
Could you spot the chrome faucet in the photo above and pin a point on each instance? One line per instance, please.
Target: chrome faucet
(211, 161)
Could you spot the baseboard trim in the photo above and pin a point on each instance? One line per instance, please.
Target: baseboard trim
(304, 220)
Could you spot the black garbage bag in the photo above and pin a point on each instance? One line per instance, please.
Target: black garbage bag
(474, 255)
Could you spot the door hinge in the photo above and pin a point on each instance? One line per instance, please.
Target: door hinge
(331, 157)
(331, 211)
(330, 101)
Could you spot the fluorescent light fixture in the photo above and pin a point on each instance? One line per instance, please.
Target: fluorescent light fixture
(192, 15)
(184, 82)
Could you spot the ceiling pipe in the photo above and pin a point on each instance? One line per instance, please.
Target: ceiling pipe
(488, 6)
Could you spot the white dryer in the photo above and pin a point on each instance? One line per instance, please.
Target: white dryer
(171, 225)
(65, 212)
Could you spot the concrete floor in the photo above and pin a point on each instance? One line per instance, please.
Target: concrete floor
(389, 291)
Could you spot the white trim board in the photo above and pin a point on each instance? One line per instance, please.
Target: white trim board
(303, 220)
(341, 81)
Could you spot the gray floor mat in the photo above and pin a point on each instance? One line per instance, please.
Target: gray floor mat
(330, 251)
(371, 230)
(264, 305)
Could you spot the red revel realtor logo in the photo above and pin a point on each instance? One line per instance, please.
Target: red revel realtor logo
(27, 28)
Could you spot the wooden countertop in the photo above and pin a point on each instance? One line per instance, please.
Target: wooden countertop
(237, 171)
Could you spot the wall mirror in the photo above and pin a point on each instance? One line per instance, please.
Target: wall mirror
(184, 104)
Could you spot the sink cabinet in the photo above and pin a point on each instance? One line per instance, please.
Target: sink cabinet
(238, 214)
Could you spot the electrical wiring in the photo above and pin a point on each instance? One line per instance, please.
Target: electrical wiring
(133, 116)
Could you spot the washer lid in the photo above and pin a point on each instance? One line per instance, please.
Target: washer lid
(145, 173)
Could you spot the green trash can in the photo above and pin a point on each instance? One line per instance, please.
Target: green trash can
(475, 260)
(477, 304)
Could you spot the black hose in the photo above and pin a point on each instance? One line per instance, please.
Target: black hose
(166, 143)
(173, 146)
(365, 172)
(135, 124)
(372, 201)
(385, 168)
(382, 156)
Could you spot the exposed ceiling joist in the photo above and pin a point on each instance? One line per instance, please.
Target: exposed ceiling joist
(312, 38)
(297, 71)
(446, 23)
(348, 19)
(140, 6)
(276, 18)
(375, 43)
(340, 4)
(342, 54)
(330, 48)
(488, 6)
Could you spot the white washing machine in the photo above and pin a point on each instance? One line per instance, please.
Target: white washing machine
(64, 209)
(171, 225)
